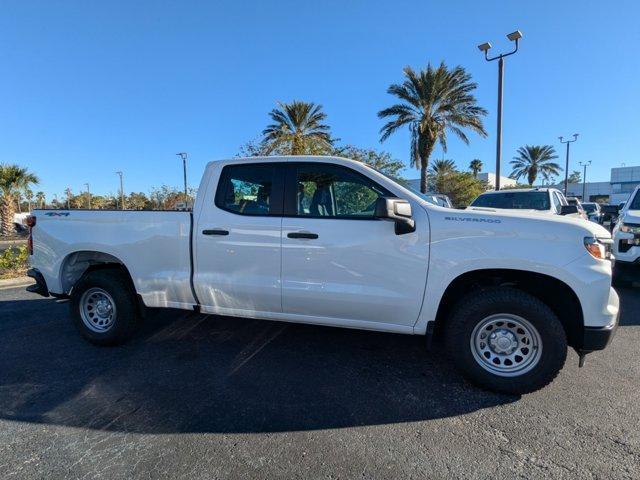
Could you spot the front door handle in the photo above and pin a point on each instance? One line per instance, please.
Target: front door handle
(215, 231)
(302, 235)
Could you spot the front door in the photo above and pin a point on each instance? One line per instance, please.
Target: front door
(238, 252)
(341, 265)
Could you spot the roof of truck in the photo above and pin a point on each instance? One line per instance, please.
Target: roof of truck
(513, 190)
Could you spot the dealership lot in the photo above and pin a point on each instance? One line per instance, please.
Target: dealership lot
(211, 397)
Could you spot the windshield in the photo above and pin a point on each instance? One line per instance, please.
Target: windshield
(515, 200)
(635, 203)
(589, 207)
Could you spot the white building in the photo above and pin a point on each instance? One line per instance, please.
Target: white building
(617, 190)
(593, 191)
(623, 181)
(489, 177)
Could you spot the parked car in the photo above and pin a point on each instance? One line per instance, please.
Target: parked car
(548, 201)
(593, 211)
(437, 199)
(626, 237)
(575, 201)
(610, 215)
(20, 222)
(330, 241)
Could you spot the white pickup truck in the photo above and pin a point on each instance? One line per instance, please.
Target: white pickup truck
(626, 236)
(331, 241)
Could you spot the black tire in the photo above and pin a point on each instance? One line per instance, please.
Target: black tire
(477, 306)
(126, 317)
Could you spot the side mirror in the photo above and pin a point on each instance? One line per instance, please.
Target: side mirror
(568, 209)
(397, 210)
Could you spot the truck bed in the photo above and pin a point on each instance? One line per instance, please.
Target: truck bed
(154, 245)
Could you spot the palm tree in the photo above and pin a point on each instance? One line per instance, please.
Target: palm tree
(442, 167)
(533, 160)
(475, 166)
(40, 199)
(12, 179)
(298, 129)
(69, 195)
(28, 195)
(433, 102)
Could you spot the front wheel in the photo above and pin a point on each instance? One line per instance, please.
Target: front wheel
(506, 340)
(103, 307)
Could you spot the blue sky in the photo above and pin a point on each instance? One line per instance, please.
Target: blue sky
(88, 88)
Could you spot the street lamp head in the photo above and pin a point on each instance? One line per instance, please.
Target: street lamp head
(513, 36)
(575, 135)
(560, 138)
(484, 47)
(183, 155)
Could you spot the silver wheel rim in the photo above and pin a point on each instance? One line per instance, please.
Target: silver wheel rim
(98, 310)
(506, 345)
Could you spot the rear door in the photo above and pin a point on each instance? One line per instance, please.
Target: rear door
(340, 264)
(238, 251)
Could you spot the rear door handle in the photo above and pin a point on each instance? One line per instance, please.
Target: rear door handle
(302, 235)
(215, 231)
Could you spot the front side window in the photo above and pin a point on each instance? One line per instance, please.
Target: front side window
(324, 190)
(248, 189)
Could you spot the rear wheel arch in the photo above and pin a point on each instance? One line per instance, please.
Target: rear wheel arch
(77, 264)
(556, 294)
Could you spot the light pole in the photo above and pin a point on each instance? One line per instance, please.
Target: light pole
(121, 191)
(584, 178)
(566, 164)
(485, 47)
(88, 195)
(183, 155)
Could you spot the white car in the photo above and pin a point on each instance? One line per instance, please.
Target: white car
(20, 221)
(593, 211)
(526, 200)
(330, 241)
(626, 234)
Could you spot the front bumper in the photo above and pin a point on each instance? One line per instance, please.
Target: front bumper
(40, 287)
(597, 338)
(626, 247)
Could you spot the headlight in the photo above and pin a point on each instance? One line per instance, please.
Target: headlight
(630, 227)
(599, 248)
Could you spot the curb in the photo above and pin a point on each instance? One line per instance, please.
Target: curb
(15, 282)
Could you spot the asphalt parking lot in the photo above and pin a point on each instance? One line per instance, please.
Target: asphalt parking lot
(208, 397)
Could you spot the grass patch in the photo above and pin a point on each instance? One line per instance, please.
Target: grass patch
(14, 262)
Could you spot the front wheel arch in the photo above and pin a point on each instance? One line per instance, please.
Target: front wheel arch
(554, 293)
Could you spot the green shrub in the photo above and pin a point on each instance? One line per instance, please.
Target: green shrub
(14, 258)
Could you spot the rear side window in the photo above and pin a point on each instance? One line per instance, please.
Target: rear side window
(325, 190)
(635, 203)
(556, 202)
(514, 200)
(251, 189)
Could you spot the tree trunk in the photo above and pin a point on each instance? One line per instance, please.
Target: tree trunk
(6, 213)
(425, 154)
(423, 178)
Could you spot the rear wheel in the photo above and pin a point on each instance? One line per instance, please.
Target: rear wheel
(103, 307)
(506, 340)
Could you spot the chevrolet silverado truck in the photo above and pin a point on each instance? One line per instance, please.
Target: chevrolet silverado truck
(331, 241)
(626, 237)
